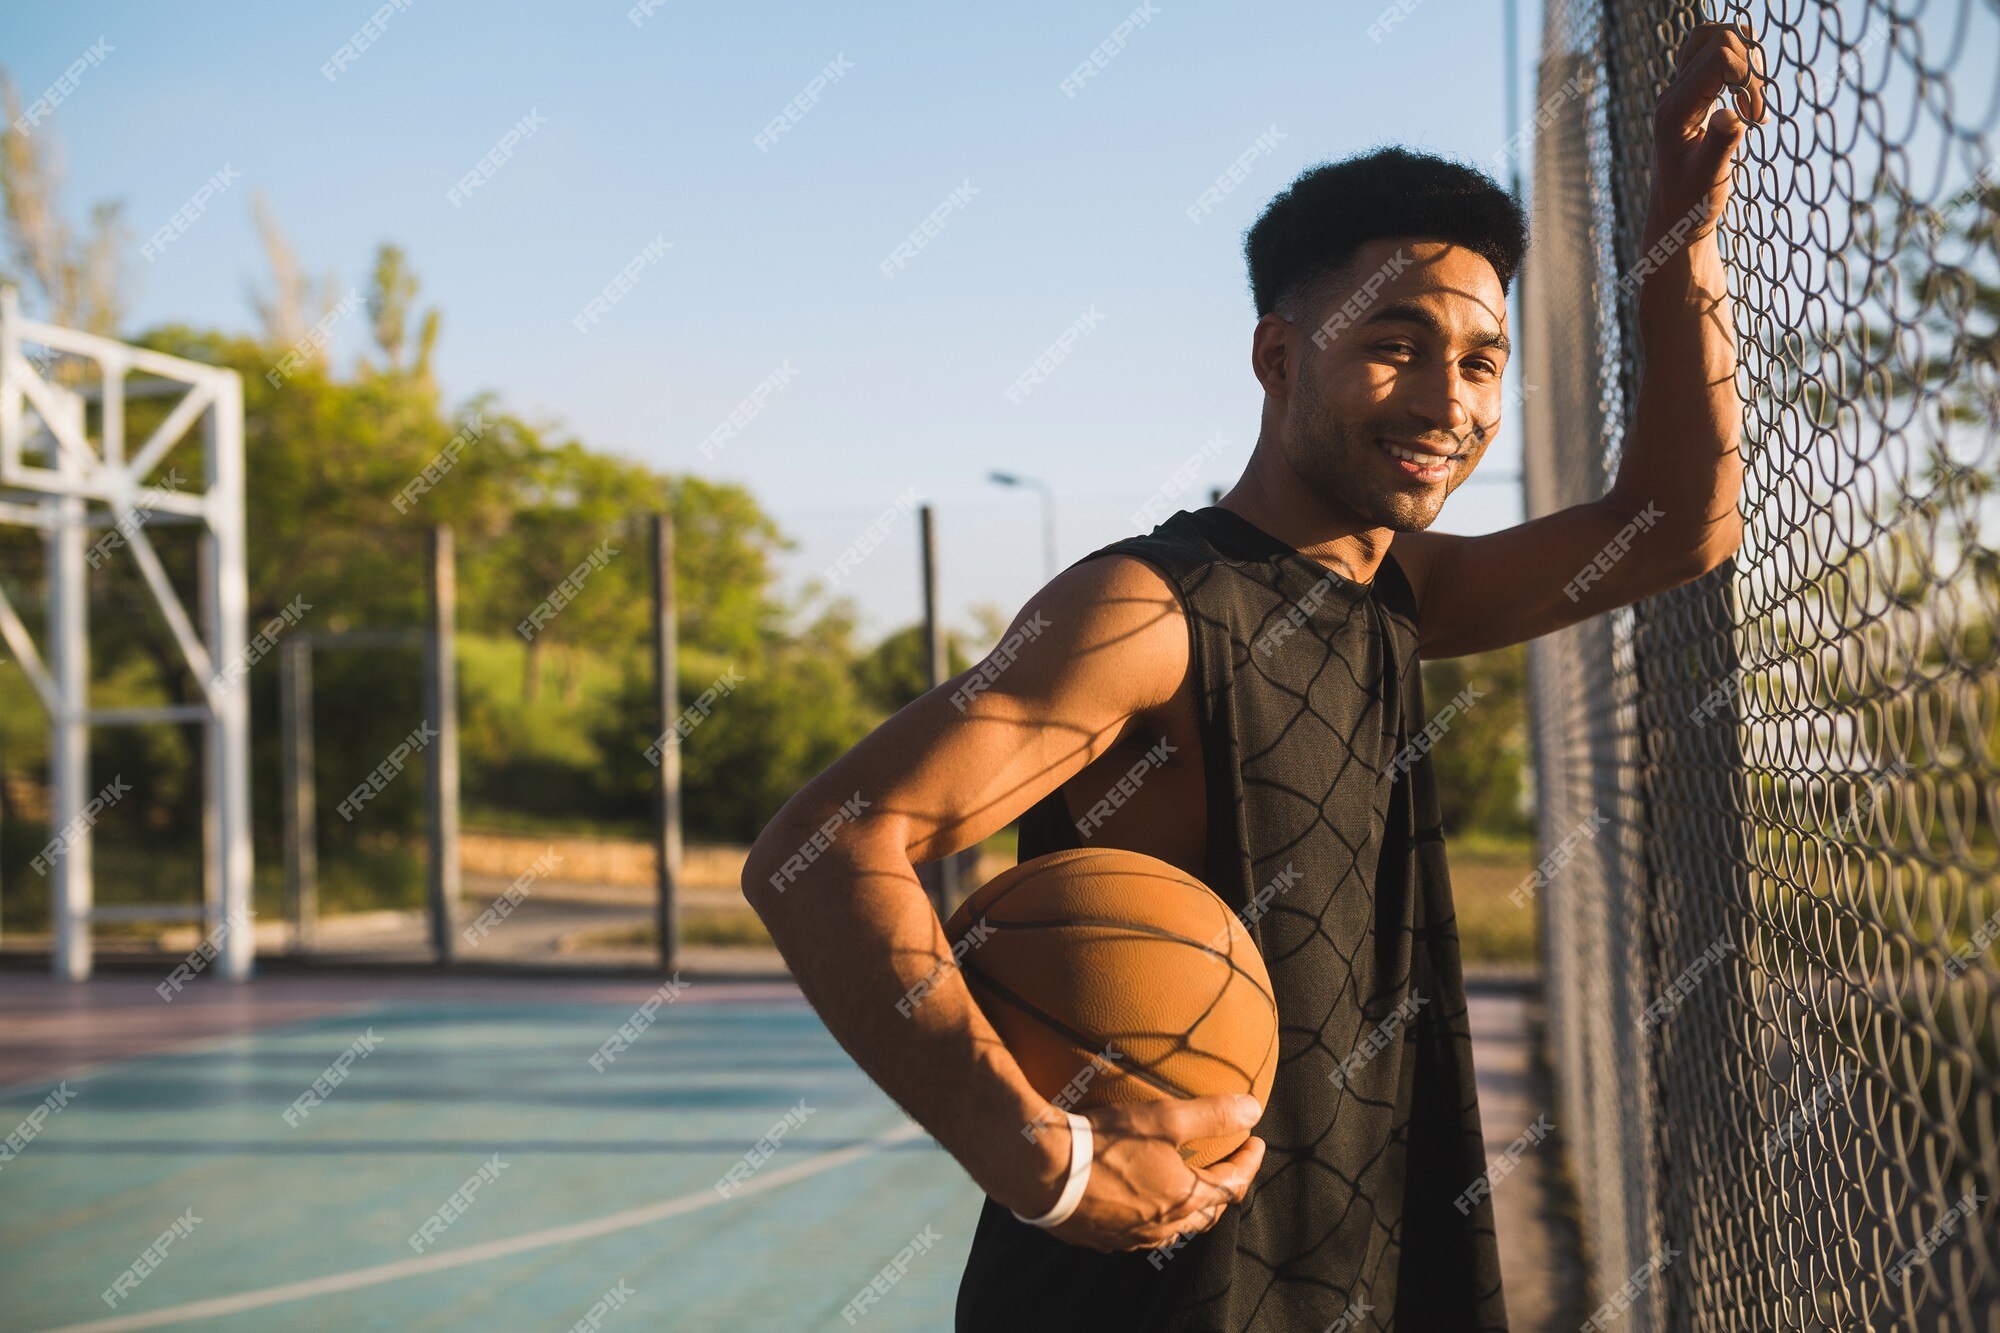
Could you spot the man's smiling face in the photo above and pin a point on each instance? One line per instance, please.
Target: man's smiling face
(1395, 409)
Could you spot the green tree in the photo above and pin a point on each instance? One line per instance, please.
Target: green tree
(1480, 762)
(793, 708)
(292, 303)
(79, 277)
(896, 670)
(392, 294)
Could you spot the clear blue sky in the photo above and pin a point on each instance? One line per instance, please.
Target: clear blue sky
(897, 382)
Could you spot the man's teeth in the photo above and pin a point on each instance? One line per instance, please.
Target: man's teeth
(1421, 460)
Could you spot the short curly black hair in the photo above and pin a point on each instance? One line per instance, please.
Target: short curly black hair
(1317, 224)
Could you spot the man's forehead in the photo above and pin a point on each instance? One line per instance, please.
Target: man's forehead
(1452, 285)
(1415, 267)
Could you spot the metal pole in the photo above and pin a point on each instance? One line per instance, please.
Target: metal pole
(943, 882)
(1049, 558)
(69, 749)
(209, 738)
(666, 677)
(301, 831)
(69, 729)
(1512, 116)
(937, 664)
(441, 711)
(228, 635)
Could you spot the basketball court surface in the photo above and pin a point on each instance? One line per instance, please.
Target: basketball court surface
(589, 1177)
(587, 1190)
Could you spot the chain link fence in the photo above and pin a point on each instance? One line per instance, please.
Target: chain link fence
(1769, 800)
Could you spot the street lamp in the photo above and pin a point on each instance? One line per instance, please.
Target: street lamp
(1048, 511)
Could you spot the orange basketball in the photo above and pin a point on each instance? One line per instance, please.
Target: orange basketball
(1115, 978)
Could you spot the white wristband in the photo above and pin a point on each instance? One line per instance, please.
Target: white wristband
(1080, 1156)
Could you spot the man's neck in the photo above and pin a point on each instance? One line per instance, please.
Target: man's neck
(1287, 511)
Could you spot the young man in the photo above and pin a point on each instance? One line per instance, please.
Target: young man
(1264, 652)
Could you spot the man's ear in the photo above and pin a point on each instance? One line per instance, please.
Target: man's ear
(1274, 345)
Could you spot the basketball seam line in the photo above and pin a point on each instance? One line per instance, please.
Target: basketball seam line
(999, 897)
(1144, 1075)
(1139, 927)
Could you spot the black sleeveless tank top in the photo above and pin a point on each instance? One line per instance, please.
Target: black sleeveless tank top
(1323, 833)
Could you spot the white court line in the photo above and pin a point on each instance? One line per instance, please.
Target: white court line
(216, 1306)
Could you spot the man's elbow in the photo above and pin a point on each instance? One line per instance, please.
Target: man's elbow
(773, 865)
(766, 874)
(1707, 550)
(796, 847)
(1722, 539)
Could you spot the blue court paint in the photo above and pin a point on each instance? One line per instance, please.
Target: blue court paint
(441, 1089)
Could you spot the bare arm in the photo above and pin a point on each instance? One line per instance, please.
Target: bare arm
(1671, 515)
(1103, 644)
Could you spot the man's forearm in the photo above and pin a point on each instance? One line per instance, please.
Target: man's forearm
(872, 958)
(1682, 463)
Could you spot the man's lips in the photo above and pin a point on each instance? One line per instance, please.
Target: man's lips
(1423, 462)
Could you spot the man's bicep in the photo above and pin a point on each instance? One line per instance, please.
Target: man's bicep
(1103, 643)
(1501, 588)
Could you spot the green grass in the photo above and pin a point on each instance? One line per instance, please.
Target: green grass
(1491, 929)
(1485, 872)
(504, 819)
(1479, 845)
(1007, 843)
(388, 873)
(719, 928)
(549, 726)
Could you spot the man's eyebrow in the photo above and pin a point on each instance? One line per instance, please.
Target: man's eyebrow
(1410, 312)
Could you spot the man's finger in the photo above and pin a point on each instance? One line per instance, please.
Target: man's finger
(1229, 1178)
(1727, 59)
(1233, 1174)
(1704, 35)
(1747, 57)
(1185, 1119)
(1685, 106)
(1698, 39)
(1201, 1193)
(1756, 49)
(1185, 1224)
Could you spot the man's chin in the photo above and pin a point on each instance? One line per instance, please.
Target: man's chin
(1411, 514)
(1395, 510)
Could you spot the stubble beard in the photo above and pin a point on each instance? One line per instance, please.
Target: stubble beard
(1336, 459)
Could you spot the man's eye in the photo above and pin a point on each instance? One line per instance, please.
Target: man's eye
(1402, 349)
(1483, 365)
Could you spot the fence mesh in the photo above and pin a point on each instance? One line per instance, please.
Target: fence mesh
(1769, 799)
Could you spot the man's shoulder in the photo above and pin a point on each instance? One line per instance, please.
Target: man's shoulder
(1111, 623)
(1176, 546)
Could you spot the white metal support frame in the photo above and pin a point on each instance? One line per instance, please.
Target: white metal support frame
(81, 483)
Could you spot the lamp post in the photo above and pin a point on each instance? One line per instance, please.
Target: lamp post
(1048, 512)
